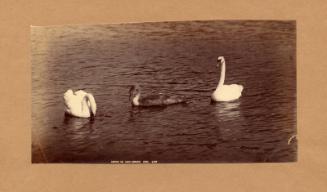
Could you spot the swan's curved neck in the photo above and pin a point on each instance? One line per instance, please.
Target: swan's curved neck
(92, 108)
(222, 74)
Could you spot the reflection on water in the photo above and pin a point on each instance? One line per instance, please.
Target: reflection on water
(176, 58)
(230, 120)
(226, 111)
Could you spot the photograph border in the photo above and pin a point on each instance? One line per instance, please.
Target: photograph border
(17, 172)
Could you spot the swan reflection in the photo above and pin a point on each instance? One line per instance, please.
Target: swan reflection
(230, 120)
(225, 111)
(77, 123)
(79, 131)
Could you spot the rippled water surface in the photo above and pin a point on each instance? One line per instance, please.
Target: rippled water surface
(177, 58)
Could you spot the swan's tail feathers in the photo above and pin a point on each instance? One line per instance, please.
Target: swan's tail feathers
(68, 94)
(92, 103)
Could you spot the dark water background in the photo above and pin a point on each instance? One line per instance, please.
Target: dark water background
(176, 58)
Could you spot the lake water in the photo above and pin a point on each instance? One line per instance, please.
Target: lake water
(177, 58)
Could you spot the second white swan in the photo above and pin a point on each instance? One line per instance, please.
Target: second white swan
(225, 92)
(79, 104)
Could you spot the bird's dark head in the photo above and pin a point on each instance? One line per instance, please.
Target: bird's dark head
(133, 91)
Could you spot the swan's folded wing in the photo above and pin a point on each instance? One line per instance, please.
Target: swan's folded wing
(152, 100)
(80, 93)
(236, 87)
(160, 100)
(173, 99)
(73, 103)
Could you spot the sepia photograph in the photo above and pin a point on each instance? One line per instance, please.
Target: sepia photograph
(211, 91)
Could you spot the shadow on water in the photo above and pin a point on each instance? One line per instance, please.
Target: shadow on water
(136, 112)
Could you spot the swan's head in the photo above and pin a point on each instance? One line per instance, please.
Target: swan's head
(134, 90)
(220, 60)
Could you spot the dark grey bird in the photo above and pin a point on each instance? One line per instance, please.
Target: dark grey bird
(137, 99)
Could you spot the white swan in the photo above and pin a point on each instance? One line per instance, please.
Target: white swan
(225, 92)
(79, 104)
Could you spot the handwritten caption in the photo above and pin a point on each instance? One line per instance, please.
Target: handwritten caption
(133, 162)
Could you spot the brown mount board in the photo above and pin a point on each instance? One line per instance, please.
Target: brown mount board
(17, 172)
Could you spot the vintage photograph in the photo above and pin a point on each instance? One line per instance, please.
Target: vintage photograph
(218, 91)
